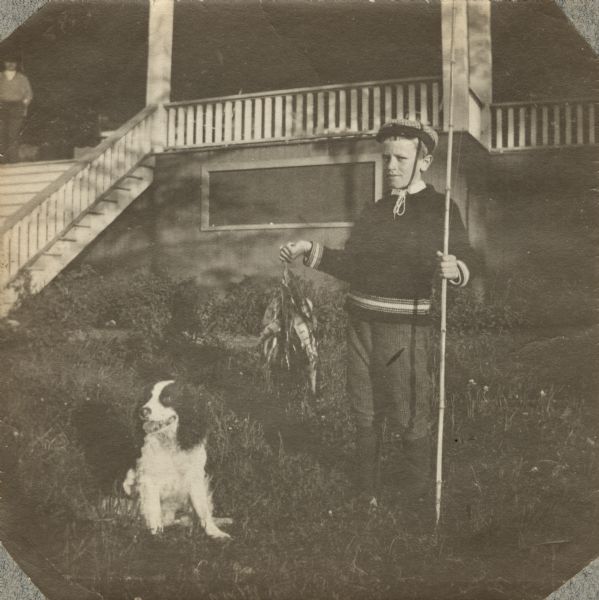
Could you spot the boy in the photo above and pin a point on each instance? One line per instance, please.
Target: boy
(390, 260)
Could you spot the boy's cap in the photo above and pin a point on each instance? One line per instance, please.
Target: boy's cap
(409, 128)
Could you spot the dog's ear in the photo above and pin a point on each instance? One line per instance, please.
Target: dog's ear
(193, 416)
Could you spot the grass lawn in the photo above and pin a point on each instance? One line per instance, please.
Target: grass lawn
(521, 494)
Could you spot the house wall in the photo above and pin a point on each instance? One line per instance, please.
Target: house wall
(543, 211)
(164, 228)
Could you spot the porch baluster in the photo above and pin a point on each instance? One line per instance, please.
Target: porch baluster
(180, 127)
(522, 127)
(309, 114)
(278, 117)
(237, 120)
(199, 123)
(267, 118)
(218, 122)
(247, 120)
(258, 119)
(424, 103)
(330, 124)
(388, 103)
(228, 122)
(499, 127)
(320, 113)
(376, 108)
(342, 111)
(209, 131)
(365, 125)
(288, 116)
(510, 127)
(436, 104)
(171, 131)
(353, 109)
(411, 101)
(399, 111)
(190, 126)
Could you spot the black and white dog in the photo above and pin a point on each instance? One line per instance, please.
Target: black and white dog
(170, 475)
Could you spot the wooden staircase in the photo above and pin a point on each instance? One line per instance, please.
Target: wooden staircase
(50, 211)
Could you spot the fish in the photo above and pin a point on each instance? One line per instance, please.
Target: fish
(289, 329)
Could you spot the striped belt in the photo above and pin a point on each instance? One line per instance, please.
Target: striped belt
(398, 306)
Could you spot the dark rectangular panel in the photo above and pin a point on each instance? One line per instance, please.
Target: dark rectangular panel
(285, 195)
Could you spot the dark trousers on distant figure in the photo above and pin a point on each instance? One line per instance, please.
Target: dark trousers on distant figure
(390, 386)
(11, 122)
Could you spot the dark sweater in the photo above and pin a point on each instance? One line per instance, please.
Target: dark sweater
(390, 263)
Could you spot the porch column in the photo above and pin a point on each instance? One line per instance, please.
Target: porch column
(472, 69)
(160, 54)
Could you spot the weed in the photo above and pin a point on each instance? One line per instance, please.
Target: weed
(521, 449)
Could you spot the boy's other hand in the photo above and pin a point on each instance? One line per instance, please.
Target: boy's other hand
(448, 265)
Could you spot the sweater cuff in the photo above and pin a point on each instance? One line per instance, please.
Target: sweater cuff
(464, 275)
(312, 259)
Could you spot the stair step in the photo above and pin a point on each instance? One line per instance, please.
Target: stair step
(41, 178)
(36, 167)
(10, 191)
(24, 186)
(14, 199)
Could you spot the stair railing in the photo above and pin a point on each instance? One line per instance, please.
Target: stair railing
(544, 123)
(46, 218)
(303, 113)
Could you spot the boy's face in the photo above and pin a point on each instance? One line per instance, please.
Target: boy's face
(399, 155)
(10, 65)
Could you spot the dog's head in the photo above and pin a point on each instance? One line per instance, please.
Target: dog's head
(177, 408)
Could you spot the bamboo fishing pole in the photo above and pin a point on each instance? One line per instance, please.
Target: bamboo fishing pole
(439, 474)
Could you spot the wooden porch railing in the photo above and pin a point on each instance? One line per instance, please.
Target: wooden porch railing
(306, 113)
(47, 217)
(525, 125)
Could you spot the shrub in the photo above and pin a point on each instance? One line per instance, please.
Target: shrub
(238, 310)
(522, 299)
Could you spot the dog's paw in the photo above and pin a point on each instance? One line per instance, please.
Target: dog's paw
(215, 533)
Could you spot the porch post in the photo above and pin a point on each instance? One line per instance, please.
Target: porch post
(160, 53)
(481, 66)
(472, 69)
